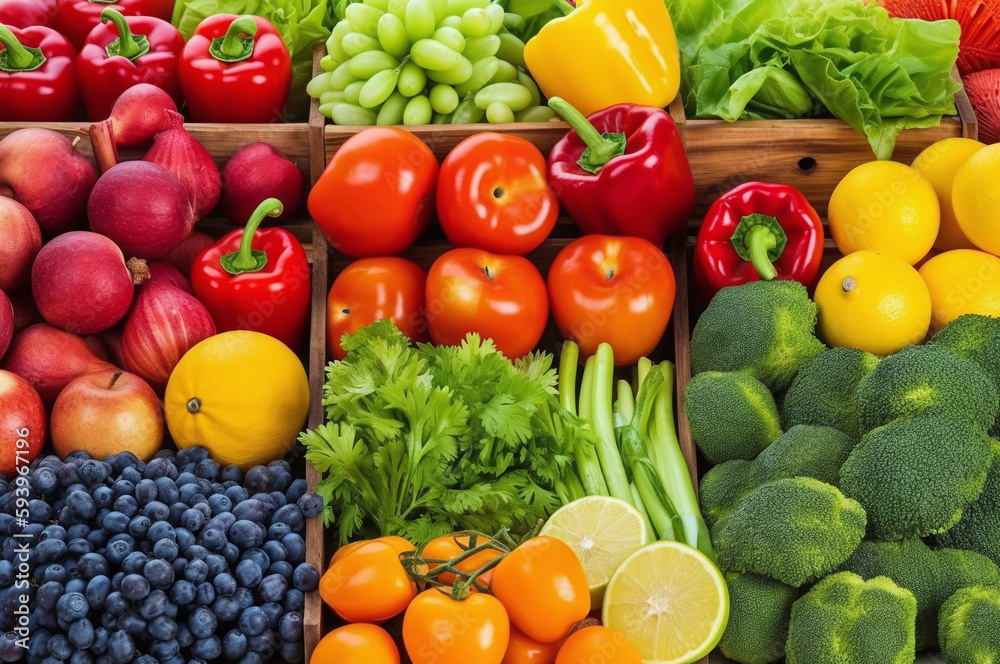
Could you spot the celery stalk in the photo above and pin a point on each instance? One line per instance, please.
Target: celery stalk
(588, 465)
(602, 419)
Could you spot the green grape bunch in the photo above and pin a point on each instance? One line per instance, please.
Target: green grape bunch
(415, 62)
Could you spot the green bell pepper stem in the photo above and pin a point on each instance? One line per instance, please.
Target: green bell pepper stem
(601, 148)
(15, 57)
(760, 239)
(127, 45)
(234, 46)
(246, 259)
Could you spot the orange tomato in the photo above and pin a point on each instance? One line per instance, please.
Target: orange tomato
(523, 650)
(400, 544)
(598, 645)
(543, 587)
(356, 644)
(368, 585)
(449, 546)
(440, 630)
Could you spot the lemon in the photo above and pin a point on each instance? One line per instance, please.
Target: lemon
(242, 395)
(671, 602)
(964, 281)
(887, 207)
(874, 302)
(602, 532)
(939, 163)
(977, 198)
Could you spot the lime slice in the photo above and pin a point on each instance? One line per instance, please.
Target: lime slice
(602, 532)
(669, 600)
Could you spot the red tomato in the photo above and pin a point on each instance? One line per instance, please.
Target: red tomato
(500, 297)
(543, 587)
(372, 289)
(356, 644)
(440, 630)
(618, 290)
(367, 584)
(450, 546)
(598, 644)
(493, 194)
(376, 196)
(522, 650)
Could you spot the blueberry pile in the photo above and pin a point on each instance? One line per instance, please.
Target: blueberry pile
(174, 561)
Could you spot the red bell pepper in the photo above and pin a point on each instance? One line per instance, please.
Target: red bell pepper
(37, 76)
(76, 18)
(236, 69)
(28, 13)
(124, 52)
(266, 289)
(758, 231)
(623, 171)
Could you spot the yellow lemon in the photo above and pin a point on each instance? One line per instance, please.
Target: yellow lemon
(887, 207)
(977, 198)
(242, 395)
(873, 302)
(964, 281)
(939, 163)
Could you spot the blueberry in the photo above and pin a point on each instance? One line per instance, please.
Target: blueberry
(251, 509)
(131, 475)
(60, 647)
(225, 608)
(192, 519)
(248, 573)
(213, 538)
(91, 565)
(94, 472)
(154, 605)
(185, 538)
(306, 578)
(234, 644)
(133, 624)
(135, 587)
(231, 473)
(160, 467)
(49, 551)
(203, 507)
(164, 649)
(253, 621)
(272, 588)
(69, 474)
(278, 498)
(156, 511)
(231, 552)
(220, 503)
(296, 548)
(297, 489)
(216, 564)
(48, 594)
(246, 534)
(77, 531)
(124, 460)
(207, 649)
(116, 522)
(166, 549)
(208, 469)
(159, 573)
(196, 552)
(282, 567)
(243, 597)
(72, 606)
(258, 479)
(104, 496)
(187, 493)
(290, 627)
(10, 651)
(184, 479)
(251, 658)
(275, 550)
(274, 611)
(310, 504)
(204, 594)
(291, 651)
(98, 589)
(295, 600)
(145, 491)
(196, 572)
(224, 585)
(139, 526)
(135, 562)
(126, 505)
(81, 504)
(116, 604)
(116, 581)
(166, 490)
(170, 610)
(145, 659)
(184, 635)
(292, 515)
(81, 634)
(263, 643)
(176, 509)
(161, 530)
(44, 481)
(194, 454)
(278, 530)
(6, 573)
(202, 622)
(121, 648)
(81, 657)
(40, 511)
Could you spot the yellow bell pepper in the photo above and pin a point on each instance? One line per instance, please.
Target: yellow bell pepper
(608, 52)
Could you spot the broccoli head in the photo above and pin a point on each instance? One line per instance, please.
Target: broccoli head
(824, 392)
(763, 328)
(732, 415)
(979, 527)
(912, 565)
(969, 626)
(793, 530)
(844, 619)
(961, 569)
(759, 611)
(802, 451)
(975, 338)
(927, 378)
(915, 477)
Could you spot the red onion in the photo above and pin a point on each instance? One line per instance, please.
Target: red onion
(182, 155)
(140, 113)
(166, 273)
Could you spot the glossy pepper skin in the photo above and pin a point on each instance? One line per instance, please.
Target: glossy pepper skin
(126, 51)
(28, 13)
(608, 52)
(37, 76)
(758, 231)
(236, 69)
(623, 171)
(256, 279)
(76, 18)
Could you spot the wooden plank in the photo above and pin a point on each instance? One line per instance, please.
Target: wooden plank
(317, 150)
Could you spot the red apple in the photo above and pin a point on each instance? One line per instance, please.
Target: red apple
(6, 323)
(258, 172)
(43, 171)
(22, 423)
(20, 240)
(105, 413)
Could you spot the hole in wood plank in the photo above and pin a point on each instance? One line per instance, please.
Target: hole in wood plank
(807, 164)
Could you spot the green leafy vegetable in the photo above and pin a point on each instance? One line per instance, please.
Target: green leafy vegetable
(428, 440)
(768, 59)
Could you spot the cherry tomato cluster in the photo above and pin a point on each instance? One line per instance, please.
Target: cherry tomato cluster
(495, 206)
(493, 605)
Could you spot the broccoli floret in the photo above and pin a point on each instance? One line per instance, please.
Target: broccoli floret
(961, 569)
(969, 626)
(793, 530)
(732, 415)
(975, 338)
(912, 565)
(759, 611)
(979, 527)
(927, 378)
(847, 620)
(824, 391)
(763, 328)
(802, 451)
(914, 477)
